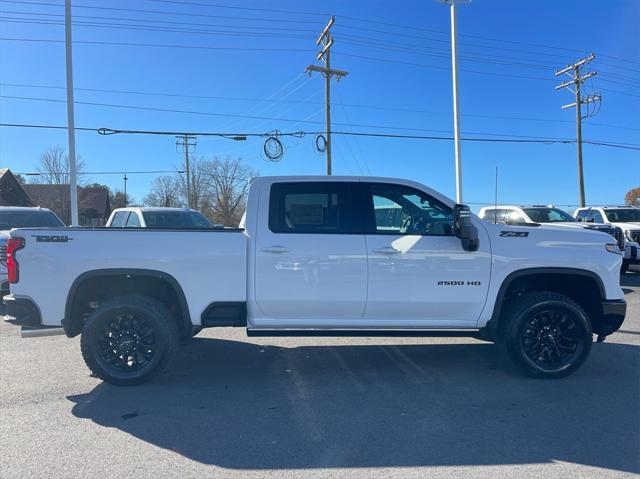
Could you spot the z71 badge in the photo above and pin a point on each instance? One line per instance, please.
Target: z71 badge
(514, 234)
(52, 238)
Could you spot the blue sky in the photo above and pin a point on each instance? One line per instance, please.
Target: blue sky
(397, 56)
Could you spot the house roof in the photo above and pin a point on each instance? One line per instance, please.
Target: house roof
(90, 198)
(11, 191)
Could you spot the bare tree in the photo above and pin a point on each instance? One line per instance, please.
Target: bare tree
(228, 189)
(200, 184)
(165, 191)
(54, 167)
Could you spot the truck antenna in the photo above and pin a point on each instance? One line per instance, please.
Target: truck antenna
(495, 201)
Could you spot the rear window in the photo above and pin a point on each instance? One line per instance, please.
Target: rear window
(548, 215)
(309, 207)
(623, 215)
(28, 219)
(176, 220)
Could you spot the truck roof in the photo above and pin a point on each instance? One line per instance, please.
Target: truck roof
(151, 208)
(23, 208)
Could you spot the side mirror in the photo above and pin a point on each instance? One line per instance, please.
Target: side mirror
(463, 227)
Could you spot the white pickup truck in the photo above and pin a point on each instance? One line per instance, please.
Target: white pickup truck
(318, 256)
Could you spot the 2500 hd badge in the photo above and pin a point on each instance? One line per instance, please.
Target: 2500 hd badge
(459, 283)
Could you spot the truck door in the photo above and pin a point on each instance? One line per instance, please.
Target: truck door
(418, 270)
(310, 257)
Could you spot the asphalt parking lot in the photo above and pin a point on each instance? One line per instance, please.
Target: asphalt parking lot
(234, 406)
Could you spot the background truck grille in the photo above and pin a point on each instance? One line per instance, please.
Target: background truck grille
(3, 253)
(614, 231)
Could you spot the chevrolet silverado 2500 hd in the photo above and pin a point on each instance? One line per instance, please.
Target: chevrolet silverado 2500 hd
(322, 256)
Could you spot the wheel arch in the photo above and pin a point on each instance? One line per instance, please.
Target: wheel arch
(554, 279)
(73, 321)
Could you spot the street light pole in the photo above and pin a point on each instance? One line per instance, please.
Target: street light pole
(73, 180)
(456, 106)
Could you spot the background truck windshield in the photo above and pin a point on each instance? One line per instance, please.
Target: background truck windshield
(28, 219)
(548, 215)
(623, 215)
(175, 219)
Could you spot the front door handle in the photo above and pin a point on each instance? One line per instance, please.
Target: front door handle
(387, 250)
(275, 249)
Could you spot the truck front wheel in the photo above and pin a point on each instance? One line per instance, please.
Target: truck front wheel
(546, 334)
(129, 339)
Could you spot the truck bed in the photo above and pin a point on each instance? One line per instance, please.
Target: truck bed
(209, 265)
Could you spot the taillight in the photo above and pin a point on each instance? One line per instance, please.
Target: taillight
(13, 245)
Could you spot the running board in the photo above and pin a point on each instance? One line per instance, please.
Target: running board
(437, 333)
(27, 332)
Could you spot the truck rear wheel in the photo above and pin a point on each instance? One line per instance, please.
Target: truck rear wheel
(129, 339)
(546, 334)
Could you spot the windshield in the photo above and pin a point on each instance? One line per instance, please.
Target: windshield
(623, 215)
(548, 215)
(28, 219)
(176, 219)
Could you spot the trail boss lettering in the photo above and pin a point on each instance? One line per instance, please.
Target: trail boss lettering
(52, 238)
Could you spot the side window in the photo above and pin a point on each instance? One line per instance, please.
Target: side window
(597, 217)
(513, 217)
(120, 219)
(133, 221)
(399, 209)
(582, 214)
(498, 216)
(309, 207)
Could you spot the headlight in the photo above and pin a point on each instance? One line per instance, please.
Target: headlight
(613, 248)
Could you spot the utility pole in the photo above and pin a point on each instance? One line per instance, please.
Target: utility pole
(326, 40)
(577, 79)
(456, 105)
(185, 141)
(71, 124)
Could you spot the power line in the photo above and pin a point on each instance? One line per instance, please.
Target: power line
(253, 117)
(270, 99)
(353, 18)
(150, 172)
(162, 45)
(296, 50)
(300, 134)
(291, 12)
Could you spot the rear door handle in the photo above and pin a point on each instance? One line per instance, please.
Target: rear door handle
(275, 249)
(386, 250)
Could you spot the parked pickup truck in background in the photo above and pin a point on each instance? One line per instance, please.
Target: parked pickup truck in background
(322, 256)
(549, 215)
(625, 217)
(160, 218)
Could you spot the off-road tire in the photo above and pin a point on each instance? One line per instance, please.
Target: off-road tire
(523, 324)
(159, 344)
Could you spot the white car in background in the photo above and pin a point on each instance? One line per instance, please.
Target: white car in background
(158, 218)
(625, 217)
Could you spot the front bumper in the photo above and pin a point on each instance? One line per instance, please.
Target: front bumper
(23, 311)
(613, 313)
